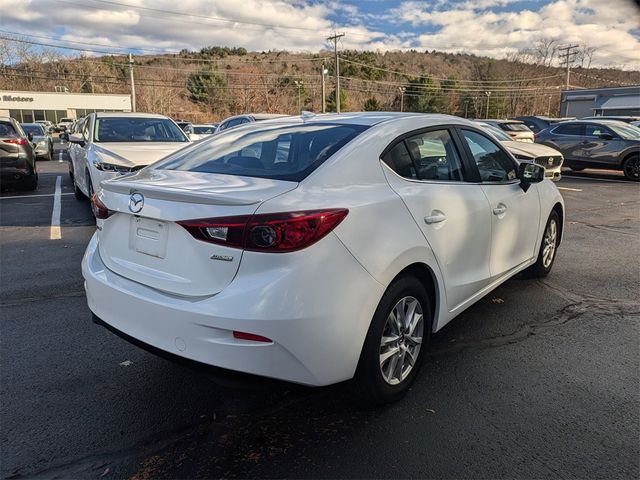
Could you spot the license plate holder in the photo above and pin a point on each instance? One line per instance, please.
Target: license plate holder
(148, 236)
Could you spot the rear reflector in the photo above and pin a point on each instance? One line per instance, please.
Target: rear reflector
(269, 232)
(251, 337)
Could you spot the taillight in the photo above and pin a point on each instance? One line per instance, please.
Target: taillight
(269, 232)
(100, 210)
(16, 141)
(252, 337)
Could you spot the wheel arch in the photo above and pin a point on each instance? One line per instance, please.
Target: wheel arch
(560, 211)
(428, 278)
(628, 155)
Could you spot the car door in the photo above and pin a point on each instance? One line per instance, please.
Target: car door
(515, 214)
(453, 214)
(568, 138)
(81, 158)
(601, 145)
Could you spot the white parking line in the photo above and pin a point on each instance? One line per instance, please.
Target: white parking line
(55, 233)
(33, 196)
(570, 189)
(605, 180)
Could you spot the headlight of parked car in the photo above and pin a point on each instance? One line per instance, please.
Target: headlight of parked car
(523, 157)
(112, 167)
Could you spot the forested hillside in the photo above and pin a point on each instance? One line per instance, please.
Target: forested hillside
(218, 81)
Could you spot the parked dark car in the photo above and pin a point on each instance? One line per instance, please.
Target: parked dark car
(620, 118)
(17, 157)
(41, 140)
(231, 122)
(537, 123)
(604, 144)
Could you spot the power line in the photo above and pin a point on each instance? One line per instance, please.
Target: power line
(568, 55)
(335, 39)
(406, 74)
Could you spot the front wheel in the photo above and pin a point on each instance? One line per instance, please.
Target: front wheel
(631, 168)
(396, 342)
(548, 248)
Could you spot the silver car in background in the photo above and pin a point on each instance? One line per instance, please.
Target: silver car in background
(41, 140)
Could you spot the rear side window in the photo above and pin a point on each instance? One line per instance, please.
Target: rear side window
(278, 152)
(7, 130)
(435, 155)
(399, 160)
(568, 129)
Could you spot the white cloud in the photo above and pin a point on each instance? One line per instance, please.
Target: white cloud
(482, 27)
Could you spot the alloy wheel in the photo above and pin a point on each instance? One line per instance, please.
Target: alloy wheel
(401, 340)
(632, 168)
(549, 243)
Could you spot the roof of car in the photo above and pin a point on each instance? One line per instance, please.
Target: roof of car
(367, 118)
(128, 114)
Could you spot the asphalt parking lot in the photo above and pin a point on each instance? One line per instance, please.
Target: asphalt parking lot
(539, 379)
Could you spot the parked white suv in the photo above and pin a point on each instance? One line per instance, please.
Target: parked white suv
(317, 249)
(114, 144)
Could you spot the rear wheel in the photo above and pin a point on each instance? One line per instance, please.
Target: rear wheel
(548, 248)
(631, 167)
(77, 192)
(30, 182)
(396, 343)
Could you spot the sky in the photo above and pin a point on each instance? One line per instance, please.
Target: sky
(491, 28)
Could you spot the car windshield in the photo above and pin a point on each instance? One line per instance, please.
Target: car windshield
(628, 132)
(288, 152)
(33, 129)
(496, 132)
(137, 129)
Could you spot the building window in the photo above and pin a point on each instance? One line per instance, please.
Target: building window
(17, 114)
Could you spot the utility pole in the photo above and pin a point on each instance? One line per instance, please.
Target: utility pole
(567, 57)
(488, 94)
(402, 90)
(133, 84)
(335, 38)
(299, 85)
(466, 107)
(323, 72)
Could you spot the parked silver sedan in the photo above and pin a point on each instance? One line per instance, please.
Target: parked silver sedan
(41, 140)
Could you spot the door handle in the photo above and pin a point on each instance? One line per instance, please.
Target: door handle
(500, 209)
(435, 217)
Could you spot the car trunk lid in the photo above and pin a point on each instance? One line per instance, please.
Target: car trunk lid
(149, 247)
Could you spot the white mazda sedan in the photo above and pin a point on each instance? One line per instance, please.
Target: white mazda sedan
(317, 249)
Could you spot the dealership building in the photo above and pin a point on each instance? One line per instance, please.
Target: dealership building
(601, 101)
(27, 107)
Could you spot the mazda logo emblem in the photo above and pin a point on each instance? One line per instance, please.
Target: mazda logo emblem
(136, 202)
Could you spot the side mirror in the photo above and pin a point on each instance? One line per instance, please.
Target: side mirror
(77, 139)
(529, 173)
(30, 136)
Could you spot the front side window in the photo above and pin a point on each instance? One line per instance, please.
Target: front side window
(280, 152)
(137, 129)
(594, 130)
(494, 165)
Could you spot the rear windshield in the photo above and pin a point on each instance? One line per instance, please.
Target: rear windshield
(137, 129)
(206, 130)
(7, 130)
(275, 151)
(516, 127)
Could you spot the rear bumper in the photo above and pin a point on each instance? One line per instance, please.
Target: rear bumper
(316, 317)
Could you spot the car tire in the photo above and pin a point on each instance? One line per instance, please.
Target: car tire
(30, 182)
(91, 192)
(548, 248)
(77, 192)
(376, 380)
(631, 168)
